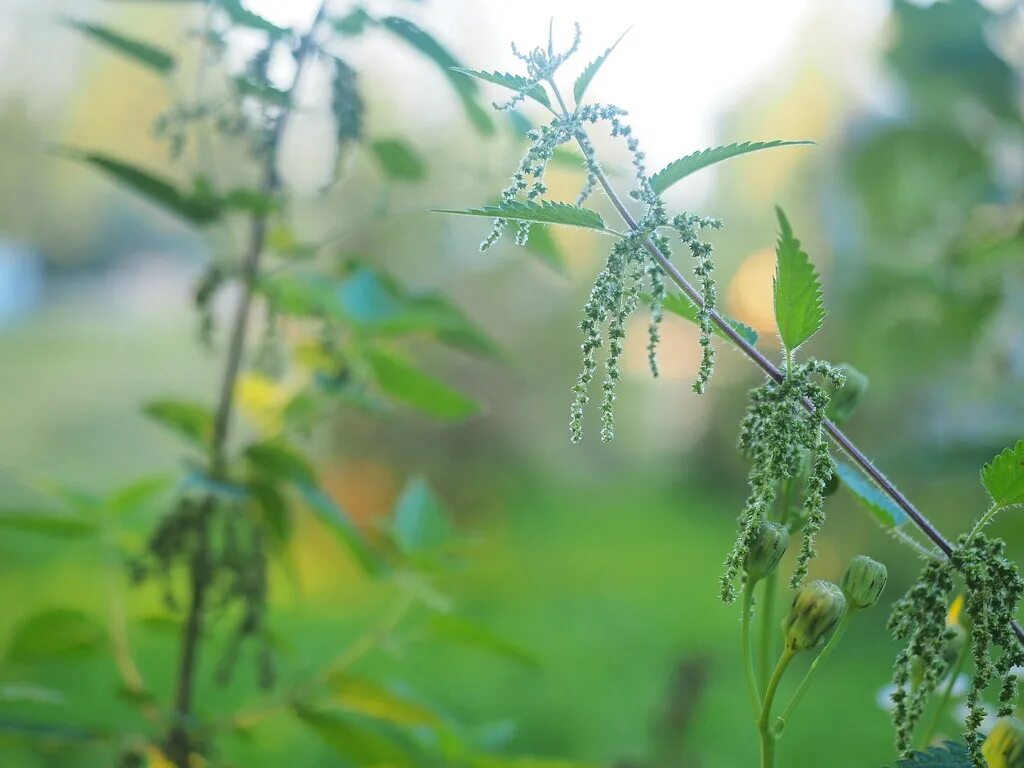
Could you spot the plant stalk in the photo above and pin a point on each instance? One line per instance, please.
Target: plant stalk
(768, 737)
(748, 651)
(179, 745)
(837, 435)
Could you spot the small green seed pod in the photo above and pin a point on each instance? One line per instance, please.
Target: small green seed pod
(1004, 747)
(767, 550)
(817, 608)
(863, 581)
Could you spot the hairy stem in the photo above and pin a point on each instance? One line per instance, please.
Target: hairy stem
(179, 744)
(833, 641)
(837, 435)
(748, 651)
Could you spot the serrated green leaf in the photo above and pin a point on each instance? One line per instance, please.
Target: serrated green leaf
(193, 421)
(580, 87)
(545, 212)
(949, 755)
(52, 634)
(56, 524)
(512, 82)
(465, 87)
(397, 160)
(683, 167)
(198, 207)
(1003, 477)
(420, 523)
(156, 59)
(680, 304)
(871, 496)
(799, 309)
(338, 521)
(403, 382)
(461, 630)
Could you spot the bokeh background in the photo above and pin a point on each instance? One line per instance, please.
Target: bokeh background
(597, 564)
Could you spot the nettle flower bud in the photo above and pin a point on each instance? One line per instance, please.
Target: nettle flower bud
(817, 608)
(863, 581)
(767, 550)
(1004, 747)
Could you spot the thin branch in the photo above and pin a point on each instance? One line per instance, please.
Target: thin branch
(837, 435)
(179, 744)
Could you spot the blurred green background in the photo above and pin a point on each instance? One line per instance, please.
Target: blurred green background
(598, 564)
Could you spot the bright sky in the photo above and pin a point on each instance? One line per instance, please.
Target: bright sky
(680, 66)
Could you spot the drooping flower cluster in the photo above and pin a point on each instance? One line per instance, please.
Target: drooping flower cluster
(993, 588)
(779, 435)
(632, 273)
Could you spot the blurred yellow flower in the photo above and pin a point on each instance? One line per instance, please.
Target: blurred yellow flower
(955, 609)
(263, 401)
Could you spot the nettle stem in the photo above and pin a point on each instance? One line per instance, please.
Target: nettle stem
(748, 651)
(179, 744)
(837, 435)
(768, 737)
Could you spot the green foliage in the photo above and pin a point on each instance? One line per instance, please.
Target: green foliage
(150, 56)
(881, 507)
(545, 212)
(1003, 477)
(193, 421)
(799, 309)
(420, 524)
(54, 633)
(198, 207)
(679, 169)
(680, 304)
(397, 160)
(339, 522)
(579, 88)
(465, 88)
(402, 381)
(516, 83)
(57, 524)
(949, 755)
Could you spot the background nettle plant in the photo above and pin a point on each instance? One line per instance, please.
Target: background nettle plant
(785, 434)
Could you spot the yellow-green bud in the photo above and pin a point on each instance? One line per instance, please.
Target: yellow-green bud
(863, 581)
(1004, 747)
(768, 548)
(817, 608)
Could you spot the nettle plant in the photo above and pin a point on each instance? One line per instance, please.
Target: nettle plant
(786, 434)
(332, 328)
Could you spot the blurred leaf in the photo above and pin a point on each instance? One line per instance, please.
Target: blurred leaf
(871, 496)
(844, 401)
(420, 522)
(339, 522)
(583, 81)
(542, 244)
(949, 755)
(678, 170)
(799, 310)
(512, 82)
(371, 699)
(401, 381)
(54, 633)
(200, 480)
(273, 509)
(137, 495)
(250, 201)
(193, 421)
(148, 55)
(198, 208)
(397, 160)
(460, 630)
(61, 525)
(464, 86)
(545, 212)
(1003, 477)
(353, 23)
(30, 693)
(680, 304)
(241, 16)
(361, 741)
(346, 104)
(279, 460)
(48, 733)
(493, 761)
(262, 92)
